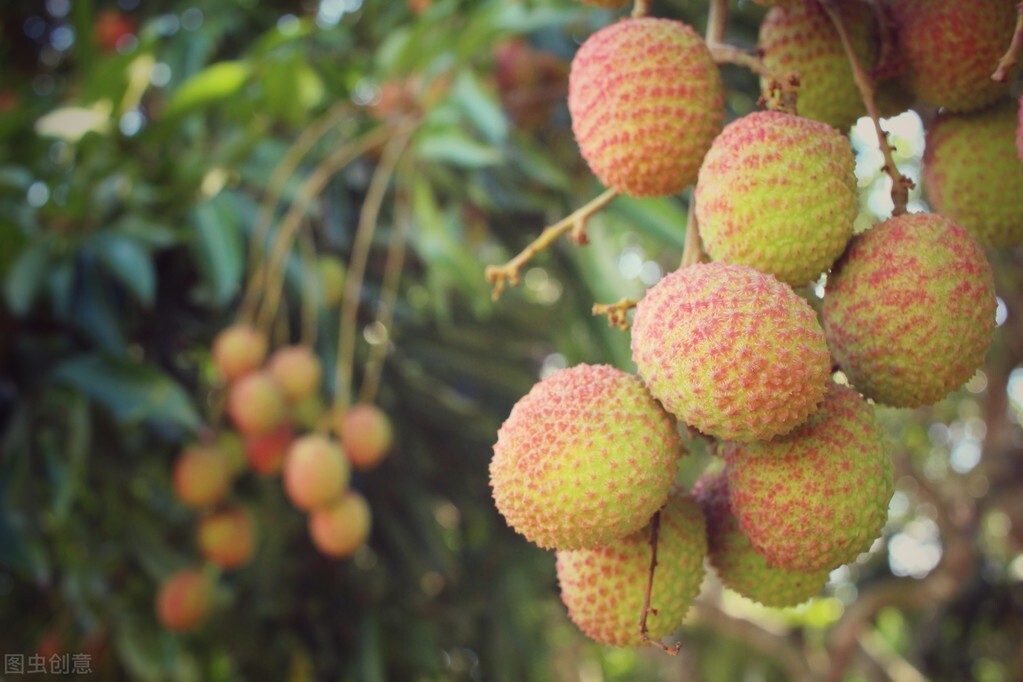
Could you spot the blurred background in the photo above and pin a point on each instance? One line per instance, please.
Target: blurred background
(143, 145)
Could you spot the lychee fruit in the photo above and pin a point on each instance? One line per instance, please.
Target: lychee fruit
(265, 452)
(238, 350)
(366, 435)
(342, 526)
(800, 39)
(730, 351)
(952, 47)
(184, 599)
(331, 273)
(256, 403)
(646, 100)
(777, 192)
(315, 471)
(586, 457)
(909, 310)
(738, 564)
(972, 172)
(297, 371)
(202, 476)
(816, 498)
(605, 588)
(228, 537)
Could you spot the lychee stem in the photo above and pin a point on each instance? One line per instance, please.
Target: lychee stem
(396, 249)
(641, 8)
(900, 183)
(357, 266)
(500, 275)
(1008, 61)
(310, 321)
(644, 632)
(692, 251)
(275, 188)
(616, 312)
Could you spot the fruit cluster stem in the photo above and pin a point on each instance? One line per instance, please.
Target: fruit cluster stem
(575, 222)
(641, 8)
(644, 632)
(692, 251)
(1009, 60)
(900, 183)
(616, 312)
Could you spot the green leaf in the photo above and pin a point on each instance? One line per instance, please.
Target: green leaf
(132, 392)
(219, 247)
(480, 105)
(129, 262)
(214, 83)
(26, 277)
(455, 147)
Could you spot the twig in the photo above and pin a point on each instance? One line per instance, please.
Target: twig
(644, 632)
(1008, 61)
(900, 183)
(357, 266)
(310, 272)
(616, 312)
(388, 300)
(717, 22)
(729, 54)
(500, 275)
(692, 251)
(641, 8)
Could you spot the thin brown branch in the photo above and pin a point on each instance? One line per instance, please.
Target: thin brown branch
(616, 312)
(641, 8)
(644, 632)
(692, 252)
(310, 285)
(717, 22)
(900, 183)
(508, 274)
(729, 54)
(1011, 57)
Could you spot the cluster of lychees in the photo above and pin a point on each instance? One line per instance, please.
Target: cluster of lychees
(586, 462)
(280, 428)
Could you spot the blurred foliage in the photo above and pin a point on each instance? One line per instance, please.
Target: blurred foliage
(138, 145)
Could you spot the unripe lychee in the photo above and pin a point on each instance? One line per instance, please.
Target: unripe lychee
(297, 371)
(730, 351)
(202, 476)
(228, 537)
(366, 435)
(972, 172)
(331, 272)
(342, 526)
(586, 457)
(239, 349)
(801, 39)
(816, 498)
(184, 600)
(952, 47)
(646, 100)
(256, 404)
(605, 588)
(737, 563)
(266, 451)
(777, 192)
(909, 310)
(315, 471)
(231, 445)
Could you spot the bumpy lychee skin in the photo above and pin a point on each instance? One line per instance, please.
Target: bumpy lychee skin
(737, 563)
(972, 173)
(952, 47)
(239, 349)
(646, 101)
(604, 588)
(730, 351)
(818, 497)
(909, 310)
(801, 39)
(777, 192)
(586, 457)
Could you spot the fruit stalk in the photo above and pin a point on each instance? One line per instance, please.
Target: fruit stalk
(655, 527)
(900, 183)
(1008, 61)
(616, 312)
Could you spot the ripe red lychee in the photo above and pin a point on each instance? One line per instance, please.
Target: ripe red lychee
(646, 100)
(315, 471)
(816, 498)
(184, 599)
(202, 476)
(604, 588)
(297, 371)
(342, 526)
(909, 310)
(256, 404)
(239, 349)
(366, 435)
(228, 537)
(777, 192)
(586, 457)
(730, 351)
(265, 452)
